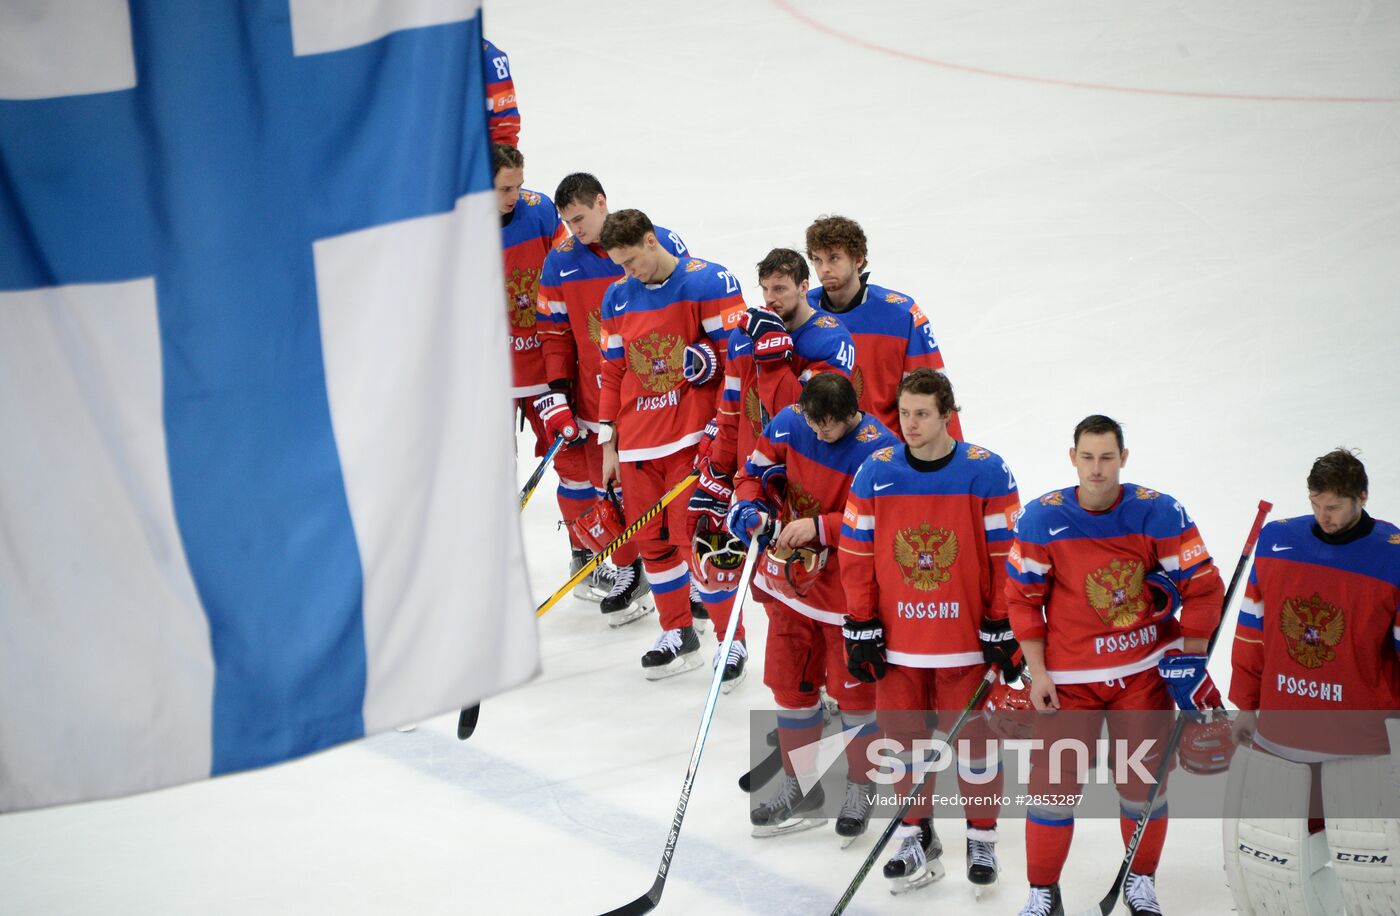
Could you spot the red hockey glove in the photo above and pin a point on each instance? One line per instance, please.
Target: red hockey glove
(558, 419)
(771, 340)
(707, 445)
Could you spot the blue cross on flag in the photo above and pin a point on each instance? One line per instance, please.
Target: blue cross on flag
(256, 471)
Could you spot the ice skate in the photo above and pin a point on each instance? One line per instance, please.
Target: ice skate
(782, 812)
(676, 652)
(630, 597)
(699, 614)
(597, 584)
(1140, 893)
(734, 665)
(855, 812)
(982, 864)
(918, 861)
(1044, 901)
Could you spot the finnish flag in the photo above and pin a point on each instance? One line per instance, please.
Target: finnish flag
(256, 476)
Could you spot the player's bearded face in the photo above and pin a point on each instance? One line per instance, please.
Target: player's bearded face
(783, 296)
(1099, 462)
(508, 182)
(1335, 514)
(835, 269)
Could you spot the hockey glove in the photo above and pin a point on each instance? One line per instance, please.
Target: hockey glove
(1000, 648)
(865, 649)
(711, 497)
(771, 341)
(744, 518)
(707, 445)
(1188, 681)
(701, 363)
(558, 419)
(774, 482)
(1162, 591)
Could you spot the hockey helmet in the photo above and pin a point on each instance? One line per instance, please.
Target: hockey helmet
(1010, 713)
(791, 571)
(716, 556)
(1207, 746)
(601, 524)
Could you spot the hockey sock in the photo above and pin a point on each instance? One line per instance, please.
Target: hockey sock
(1048, 835)
(670, 588)
(1149, 849)
(983, 781)
(575, 498)
(719, 604)
(857, 762)
(797, 729)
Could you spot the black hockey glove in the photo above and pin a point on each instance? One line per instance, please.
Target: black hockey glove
(1000, 648)
(865, 649)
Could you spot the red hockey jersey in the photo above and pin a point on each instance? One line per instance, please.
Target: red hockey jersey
(1076, 582)
(646, 328)
(925, 551)
(533, 229)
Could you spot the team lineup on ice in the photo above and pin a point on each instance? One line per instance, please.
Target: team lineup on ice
(908, 449)
(902, 572)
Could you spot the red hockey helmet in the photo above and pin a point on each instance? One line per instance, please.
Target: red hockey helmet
(1010, 712)
(1206, 747)
(790, 571)
(716, 556)
(600, 525)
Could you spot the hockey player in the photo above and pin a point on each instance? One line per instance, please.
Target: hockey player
(924, 542)
(891, 334)
(502, 109)
(1096, 574)
(814, 449)
(664, 328)
(576, 275)
(769, 357)
(1315, 648)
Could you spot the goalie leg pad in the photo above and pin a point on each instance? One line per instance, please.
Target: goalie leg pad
(1365, 850)
(1273, 867)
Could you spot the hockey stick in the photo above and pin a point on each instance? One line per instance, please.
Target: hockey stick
(763, 771)
(1110, 899)
(529, 489)
(628, 532)
(648, 901)
(466, 722)
(978, 695)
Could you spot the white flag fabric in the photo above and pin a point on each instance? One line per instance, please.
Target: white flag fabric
(256, 476)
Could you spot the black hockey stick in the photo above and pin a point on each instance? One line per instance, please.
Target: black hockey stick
(978, 695)
(529, 489)
(466, 722)
(763, 771)
(648, 901)
(1110, 900)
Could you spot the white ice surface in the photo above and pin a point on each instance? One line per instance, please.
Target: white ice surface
(1206, 257)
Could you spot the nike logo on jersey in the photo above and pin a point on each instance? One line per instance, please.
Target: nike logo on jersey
(781, 435)
(619, 306)
(1276, 548)
(852, 685)
(880, 486)
(565, 273)
(1055, 531)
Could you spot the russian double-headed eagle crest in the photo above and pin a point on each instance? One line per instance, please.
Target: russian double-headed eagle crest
(1055, 498)
(858, 382)
(800, 503)
(657, 360)
(825, 321)
(566, 245)
(1394, 539)
(896, 298)
(693, 265)
(884, 454)
(978, 453)
(595, 326)
(868, 434)
(925, 555)
(1312, 628)
(1117, 593)
(530, 198)
(523, 287)
(753, 410)
(1144, 493)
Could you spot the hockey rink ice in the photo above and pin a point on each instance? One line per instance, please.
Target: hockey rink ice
(1185, 215)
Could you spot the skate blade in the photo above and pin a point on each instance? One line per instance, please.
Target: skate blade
(931, 872)
(679, 665)
(846, 841)
(587, 593)
(728, 686)
(637, 611)
(791, 825)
